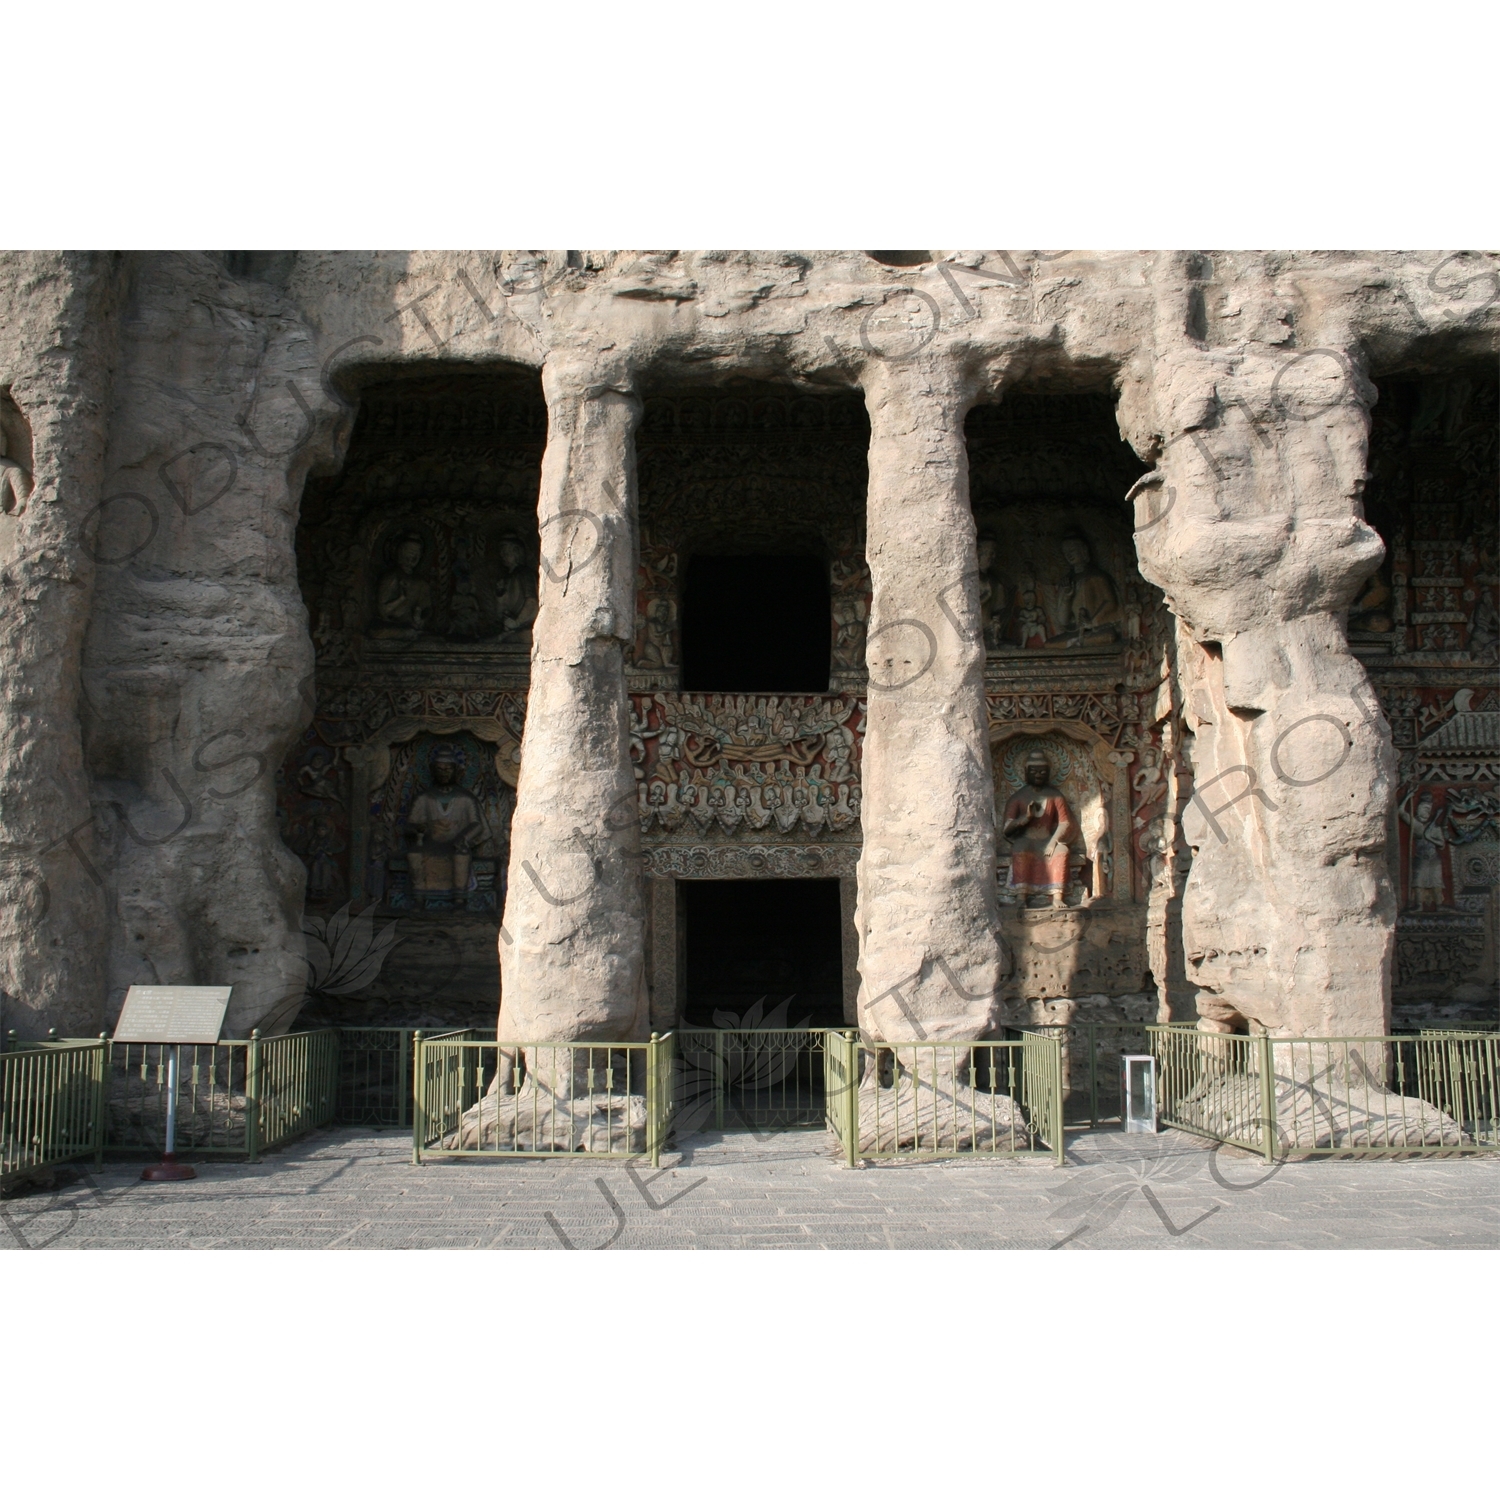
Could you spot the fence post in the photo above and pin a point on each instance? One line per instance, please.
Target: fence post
(1059, 1142)
(101, 1098)
(418, 1099)
(403, 1089)
(1268, 1096)
(851, 1100)
(252, 1096)
(721, 1082)
(653, 1100)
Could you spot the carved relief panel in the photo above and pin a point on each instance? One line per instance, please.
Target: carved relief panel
(1426, 626)
(720, 772)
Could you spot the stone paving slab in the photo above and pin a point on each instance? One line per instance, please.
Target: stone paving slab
(356, 1190)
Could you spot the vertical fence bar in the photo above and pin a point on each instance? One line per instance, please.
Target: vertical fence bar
(1268, 1095)
(1059, 1142)
(101, 1097)
(252, 1097)
(403, 1089)
(418, 1098)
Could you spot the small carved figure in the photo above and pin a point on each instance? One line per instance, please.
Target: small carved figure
(324, 880)
(659, 637)
(463, 608)
(1429, 889)
(1039, 824)
(515, 591)
(991, 591)
(1088, 606)
(1484, 624)
(1031, 622)
(447, 823)
(403, 599)
(851, 612)
(315, 779)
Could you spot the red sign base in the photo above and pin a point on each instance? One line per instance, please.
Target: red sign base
(168, 1169)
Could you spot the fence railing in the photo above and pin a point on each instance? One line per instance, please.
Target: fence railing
(841, 1061)
(234, 1098)
(771, 1079)
(1091, 1052)
(294, 1089)
(937, 1099)
(478, 1098)
(375, 1073)
(1305, 1096)
(52, 1105)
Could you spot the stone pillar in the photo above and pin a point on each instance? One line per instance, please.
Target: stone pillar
(1251, 523)
(57, 352)
(572, 959)
(929, 949)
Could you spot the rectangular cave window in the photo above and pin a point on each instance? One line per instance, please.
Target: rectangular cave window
(756, 624)
(763, 953)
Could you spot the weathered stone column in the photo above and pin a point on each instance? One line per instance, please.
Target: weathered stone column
(572, 945)
(57, 352)
(1252, 525)
(929, 949)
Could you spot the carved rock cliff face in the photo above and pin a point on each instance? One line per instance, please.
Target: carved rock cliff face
(197, 665)
(174, 403)
(1251, 525)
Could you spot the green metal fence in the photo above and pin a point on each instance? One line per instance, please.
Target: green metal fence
(375, 1079)
(479, 1098)
(923, 1100)
(841, 1061)
(1091, 1053)
(375, 1073)
(1356, 1096)
(234, 1098)
(52, 1105)
(770, 1079)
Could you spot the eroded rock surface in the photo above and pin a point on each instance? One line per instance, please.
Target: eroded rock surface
(165, 409)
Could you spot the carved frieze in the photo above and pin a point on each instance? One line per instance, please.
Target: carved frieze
(750, 861)
(733, 765)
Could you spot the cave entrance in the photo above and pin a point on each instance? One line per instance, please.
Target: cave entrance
(763, 973)
(755, 624)
(763, 953)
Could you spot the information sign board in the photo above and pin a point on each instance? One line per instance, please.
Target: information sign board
(173, 1013)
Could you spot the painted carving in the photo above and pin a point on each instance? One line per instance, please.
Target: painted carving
(850, 591)
(312, 811)
(1088, 603)
(1058, 577)
(439, 826)
(735, 765)
(1428, 883)
(444, 824)
(1039, 825)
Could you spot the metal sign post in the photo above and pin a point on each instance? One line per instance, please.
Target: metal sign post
(171, 1015)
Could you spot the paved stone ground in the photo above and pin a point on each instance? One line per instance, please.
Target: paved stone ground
(348, 1189)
